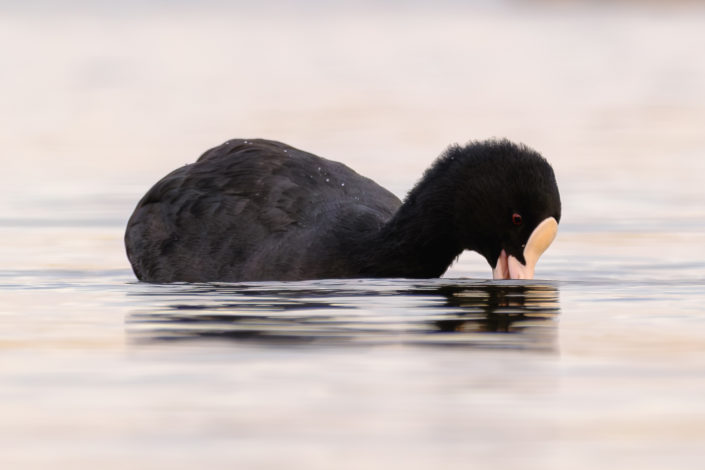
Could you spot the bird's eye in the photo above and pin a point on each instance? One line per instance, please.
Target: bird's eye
(516, 219)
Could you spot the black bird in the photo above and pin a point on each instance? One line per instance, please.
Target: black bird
(259, 210)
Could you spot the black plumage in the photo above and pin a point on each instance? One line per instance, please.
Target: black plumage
(251, 210)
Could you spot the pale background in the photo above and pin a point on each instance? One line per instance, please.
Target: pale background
(99, 101)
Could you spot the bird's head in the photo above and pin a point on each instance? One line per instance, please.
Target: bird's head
(510, 207)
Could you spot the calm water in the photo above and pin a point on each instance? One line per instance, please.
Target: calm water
(599, 363)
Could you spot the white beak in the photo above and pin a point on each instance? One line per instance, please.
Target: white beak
(508, 267)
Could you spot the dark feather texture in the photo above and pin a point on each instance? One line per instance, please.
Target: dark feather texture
(262, 210)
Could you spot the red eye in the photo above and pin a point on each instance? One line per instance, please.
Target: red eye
(516, 219)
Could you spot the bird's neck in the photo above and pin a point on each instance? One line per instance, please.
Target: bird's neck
(419, 241)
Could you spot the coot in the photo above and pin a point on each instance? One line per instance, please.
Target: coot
(259, 210)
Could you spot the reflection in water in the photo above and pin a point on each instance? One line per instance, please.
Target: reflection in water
(478, 314)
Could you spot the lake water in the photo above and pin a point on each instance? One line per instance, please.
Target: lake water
(598, 363)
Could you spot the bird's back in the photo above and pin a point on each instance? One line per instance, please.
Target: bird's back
(254, 210)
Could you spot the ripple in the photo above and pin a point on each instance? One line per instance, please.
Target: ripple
(370, 312)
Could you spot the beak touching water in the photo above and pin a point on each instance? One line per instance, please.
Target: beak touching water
(508, 267)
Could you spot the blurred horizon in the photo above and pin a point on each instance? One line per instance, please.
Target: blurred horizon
(104, 99)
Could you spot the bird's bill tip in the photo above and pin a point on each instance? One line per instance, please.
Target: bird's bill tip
(508, 267)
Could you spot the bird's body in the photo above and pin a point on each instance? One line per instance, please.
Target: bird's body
(255, 210)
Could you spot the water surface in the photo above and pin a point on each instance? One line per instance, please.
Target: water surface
(103, 370)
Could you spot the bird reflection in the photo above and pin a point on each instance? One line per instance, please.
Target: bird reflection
(499, 308)
(438, 313)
